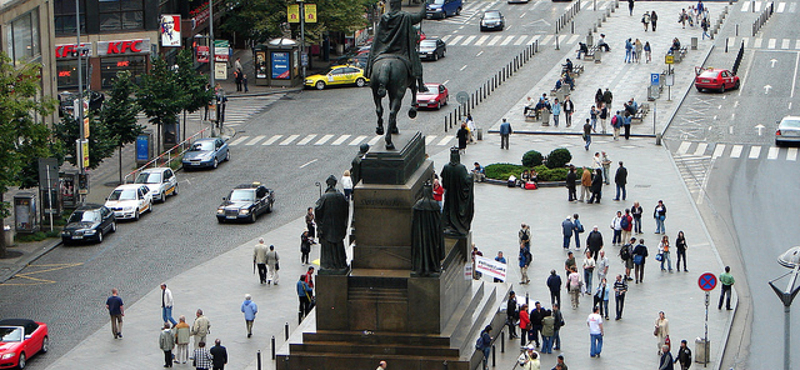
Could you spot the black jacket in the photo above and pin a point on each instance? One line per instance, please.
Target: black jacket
(571, 179)
(666, 363)
(685, 356)
(511, 308)
(538, 315)
(597, 183)
(220, 355)
(594, 241)
(554, 283)
(621, 178)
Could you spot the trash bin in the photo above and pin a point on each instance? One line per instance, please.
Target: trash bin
(694, 43)
(598, 56)
(701, 350)
(545, 117)
(658, 139)
(589, 40)
(9, 235)
(480, 134)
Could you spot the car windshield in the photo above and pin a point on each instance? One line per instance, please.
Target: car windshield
(709, 74)
(123, 194)
(242, 195)
(202, 146)
(148, 178)
(791, 123)
(427, 44)
(10, 334)
(85, 216)
(438, 2)
(491, 15)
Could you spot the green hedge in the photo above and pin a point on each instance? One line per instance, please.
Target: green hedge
(501, 171)
(558, 158)
(532, 158)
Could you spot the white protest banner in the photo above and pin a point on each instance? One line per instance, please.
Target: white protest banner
(490, 267)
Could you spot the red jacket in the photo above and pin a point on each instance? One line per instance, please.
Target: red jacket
(438, 192)
(524, 319)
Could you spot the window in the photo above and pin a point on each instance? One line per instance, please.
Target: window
(118, 15)
(64, 11)
(109, 66)
(23, 38)
(68, 73)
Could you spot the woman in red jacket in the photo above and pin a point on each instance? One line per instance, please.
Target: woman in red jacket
(524, 323)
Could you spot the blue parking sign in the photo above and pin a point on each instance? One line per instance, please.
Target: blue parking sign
(654, 79)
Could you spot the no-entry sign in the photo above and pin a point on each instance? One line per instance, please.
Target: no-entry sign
(707, 281)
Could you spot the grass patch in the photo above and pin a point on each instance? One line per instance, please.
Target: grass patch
(37, 236)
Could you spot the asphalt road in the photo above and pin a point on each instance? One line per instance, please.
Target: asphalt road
(67, 288)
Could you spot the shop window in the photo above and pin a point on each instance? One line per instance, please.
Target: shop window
(64, 11)
(68, 74)
(109, 67)
(118, 15)
(23, 38)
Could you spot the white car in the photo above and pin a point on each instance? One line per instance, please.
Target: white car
(160, 181)
(130, 201)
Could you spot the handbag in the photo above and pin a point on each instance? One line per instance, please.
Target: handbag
(655, 332)
(660, 257)
(277, 266)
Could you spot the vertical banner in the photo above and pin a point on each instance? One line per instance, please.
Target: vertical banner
(311, 13)
(293, 13)
(490, 267)
(85, 153)
(170, 30)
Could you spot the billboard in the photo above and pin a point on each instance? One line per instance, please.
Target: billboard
(280, 65)
(170, 30)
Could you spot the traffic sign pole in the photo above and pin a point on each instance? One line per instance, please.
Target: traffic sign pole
(707, 282)
(705, 337)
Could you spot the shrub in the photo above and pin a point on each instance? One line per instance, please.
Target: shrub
(501, 171)
(558, 158)
(554, 174)
(532, 158)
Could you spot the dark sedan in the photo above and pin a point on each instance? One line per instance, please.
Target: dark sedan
(90, 222)
(246, 202)
(207, 152)
(432, 49)
(492, 20)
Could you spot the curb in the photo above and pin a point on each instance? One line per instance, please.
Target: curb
(264, 93)
(31, 258)
(526, 132)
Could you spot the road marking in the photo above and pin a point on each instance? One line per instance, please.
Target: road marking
(794, 79)
(684, 147)
(239, 140)
(468, 40)
(271, 140)
(445, 38)
(289, 139)
(781, 6)
(323, 140)
(308, 163)
(718, 151)
(357, 140)
(773, 153)
(745, 6)
(463, 68)
(481, 40)
(736, 152)
(771, 43)
(522, 38)
(534, 39)
(757, 43)
(791, 154)
(755, 151)
(797, 44)
(701, 149)
(546, 39)
(508, 40)
(494, 40)
(456, 40)
(254, 141)
(340, 140)
(523, 14)
(374, 140)
(306, 139)
(745, 40)
(479, 53)
(445, 140)
(758, 5)
(445, 82)
(785, 44)
(429, 139)
(573, 39)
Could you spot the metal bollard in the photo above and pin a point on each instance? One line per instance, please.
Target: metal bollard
(444, 364)
(503, 342)
(737, 30)
(494, 355)
(445, 124)
(258, 358)
(273, 348)
(572, 27)
(286, 330)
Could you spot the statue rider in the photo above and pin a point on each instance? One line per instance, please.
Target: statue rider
(395, 36)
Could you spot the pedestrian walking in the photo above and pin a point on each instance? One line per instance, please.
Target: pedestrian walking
(628, 51)
(660, 215)
(166, 304)
(381, 365)
(587, 133)
(681, 247)
(684, 356)
(727, 281)
(595, 323)
(637, 56)
(630, 7)
(273, 263)
(637, 212)
(598, 97)
(260, 260)
(505, 133)
(574, 287)
(220, 355)
(310, 225)
(166, 341)
(586, 184)
(182, 335)
(524, 323)
(578, 230)
(250, 309)
(627, 119)
(525, 256)
(560, 365)
(554, 285)
(594, 242)
(602, 266)
(512, 314)
(704, 26)
(463, 138)
(606, 168)
(601, 297)
(237, 64)
(620, 289)
(559, 322)
(116, 309)
(639, 259)
(202, 358)
(603, 117)
(556, 111)
(347, 185)
(569, 263)
(597, 186)
(666, 362)
(616, 123)
(244, 82)
(653, 19)
(309, 277)
(661, 331)
(664, 251)
(485, 345)
(305, 248)
(305, 296)
(588, 271)
(593, 115)
(572, 180)
(646, 20)
(627, 225)
(569, 109)
(616, 226)
(647, 48)
(567, 228)
(201, 327)
(471, 128)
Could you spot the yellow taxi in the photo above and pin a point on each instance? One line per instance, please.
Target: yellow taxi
(338, 75)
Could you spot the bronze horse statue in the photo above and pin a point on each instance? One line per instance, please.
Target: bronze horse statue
(390, 75)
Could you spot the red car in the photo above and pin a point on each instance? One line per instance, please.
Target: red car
(19, 340)
(715, 79)
(436, 96)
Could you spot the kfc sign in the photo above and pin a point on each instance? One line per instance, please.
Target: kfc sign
(123, 47)
(71, 51)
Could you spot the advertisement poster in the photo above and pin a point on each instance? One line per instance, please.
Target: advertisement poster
(280, 65)
(203, 54)
(171, 30)
(221, 71)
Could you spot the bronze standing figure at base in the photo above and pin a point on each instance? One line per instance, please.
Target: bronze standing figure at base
(331, 214)
(459, 200)
(427, 238)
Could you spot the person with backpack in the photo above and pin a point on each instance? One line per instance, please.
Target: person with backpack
(639, 258)
(567, 229)
(627, 225)
(684, 356)
(616, 123)
(626, 255)
(484, 344)
(578, 230)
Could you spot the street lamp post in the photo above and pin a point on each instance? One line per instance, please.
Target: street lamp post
(302, 34)
(789, 259)
(81, 134)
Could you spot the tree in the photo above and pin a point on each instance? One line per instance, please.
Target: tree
(193, 83)
(119, 113)
(24, 136)
(101, 140)
(160, 97)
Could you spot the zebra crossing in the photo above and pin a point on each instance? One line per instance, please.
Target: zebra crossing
(237, 111)
(757, 6)
(703, 151)
(507, 40)
(326, 139)
(766, 44)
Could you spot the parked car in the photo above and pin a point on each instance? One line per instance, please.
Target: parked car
(492, 20)
(90, 222)
(66, 99)
(246, 202)
(130, 201)
(788, 130)
(432, 49)
(519, 1)
(161, 181)
(20, 339)
(208, 152)
(338, 75)
(436, 96)
(715, 79)
(443, 8)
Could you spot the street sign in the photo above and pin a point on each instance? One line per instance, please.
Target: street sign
(669, 80)
(707, 281)
(462, 97)
(655, 79)
(669, 59)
